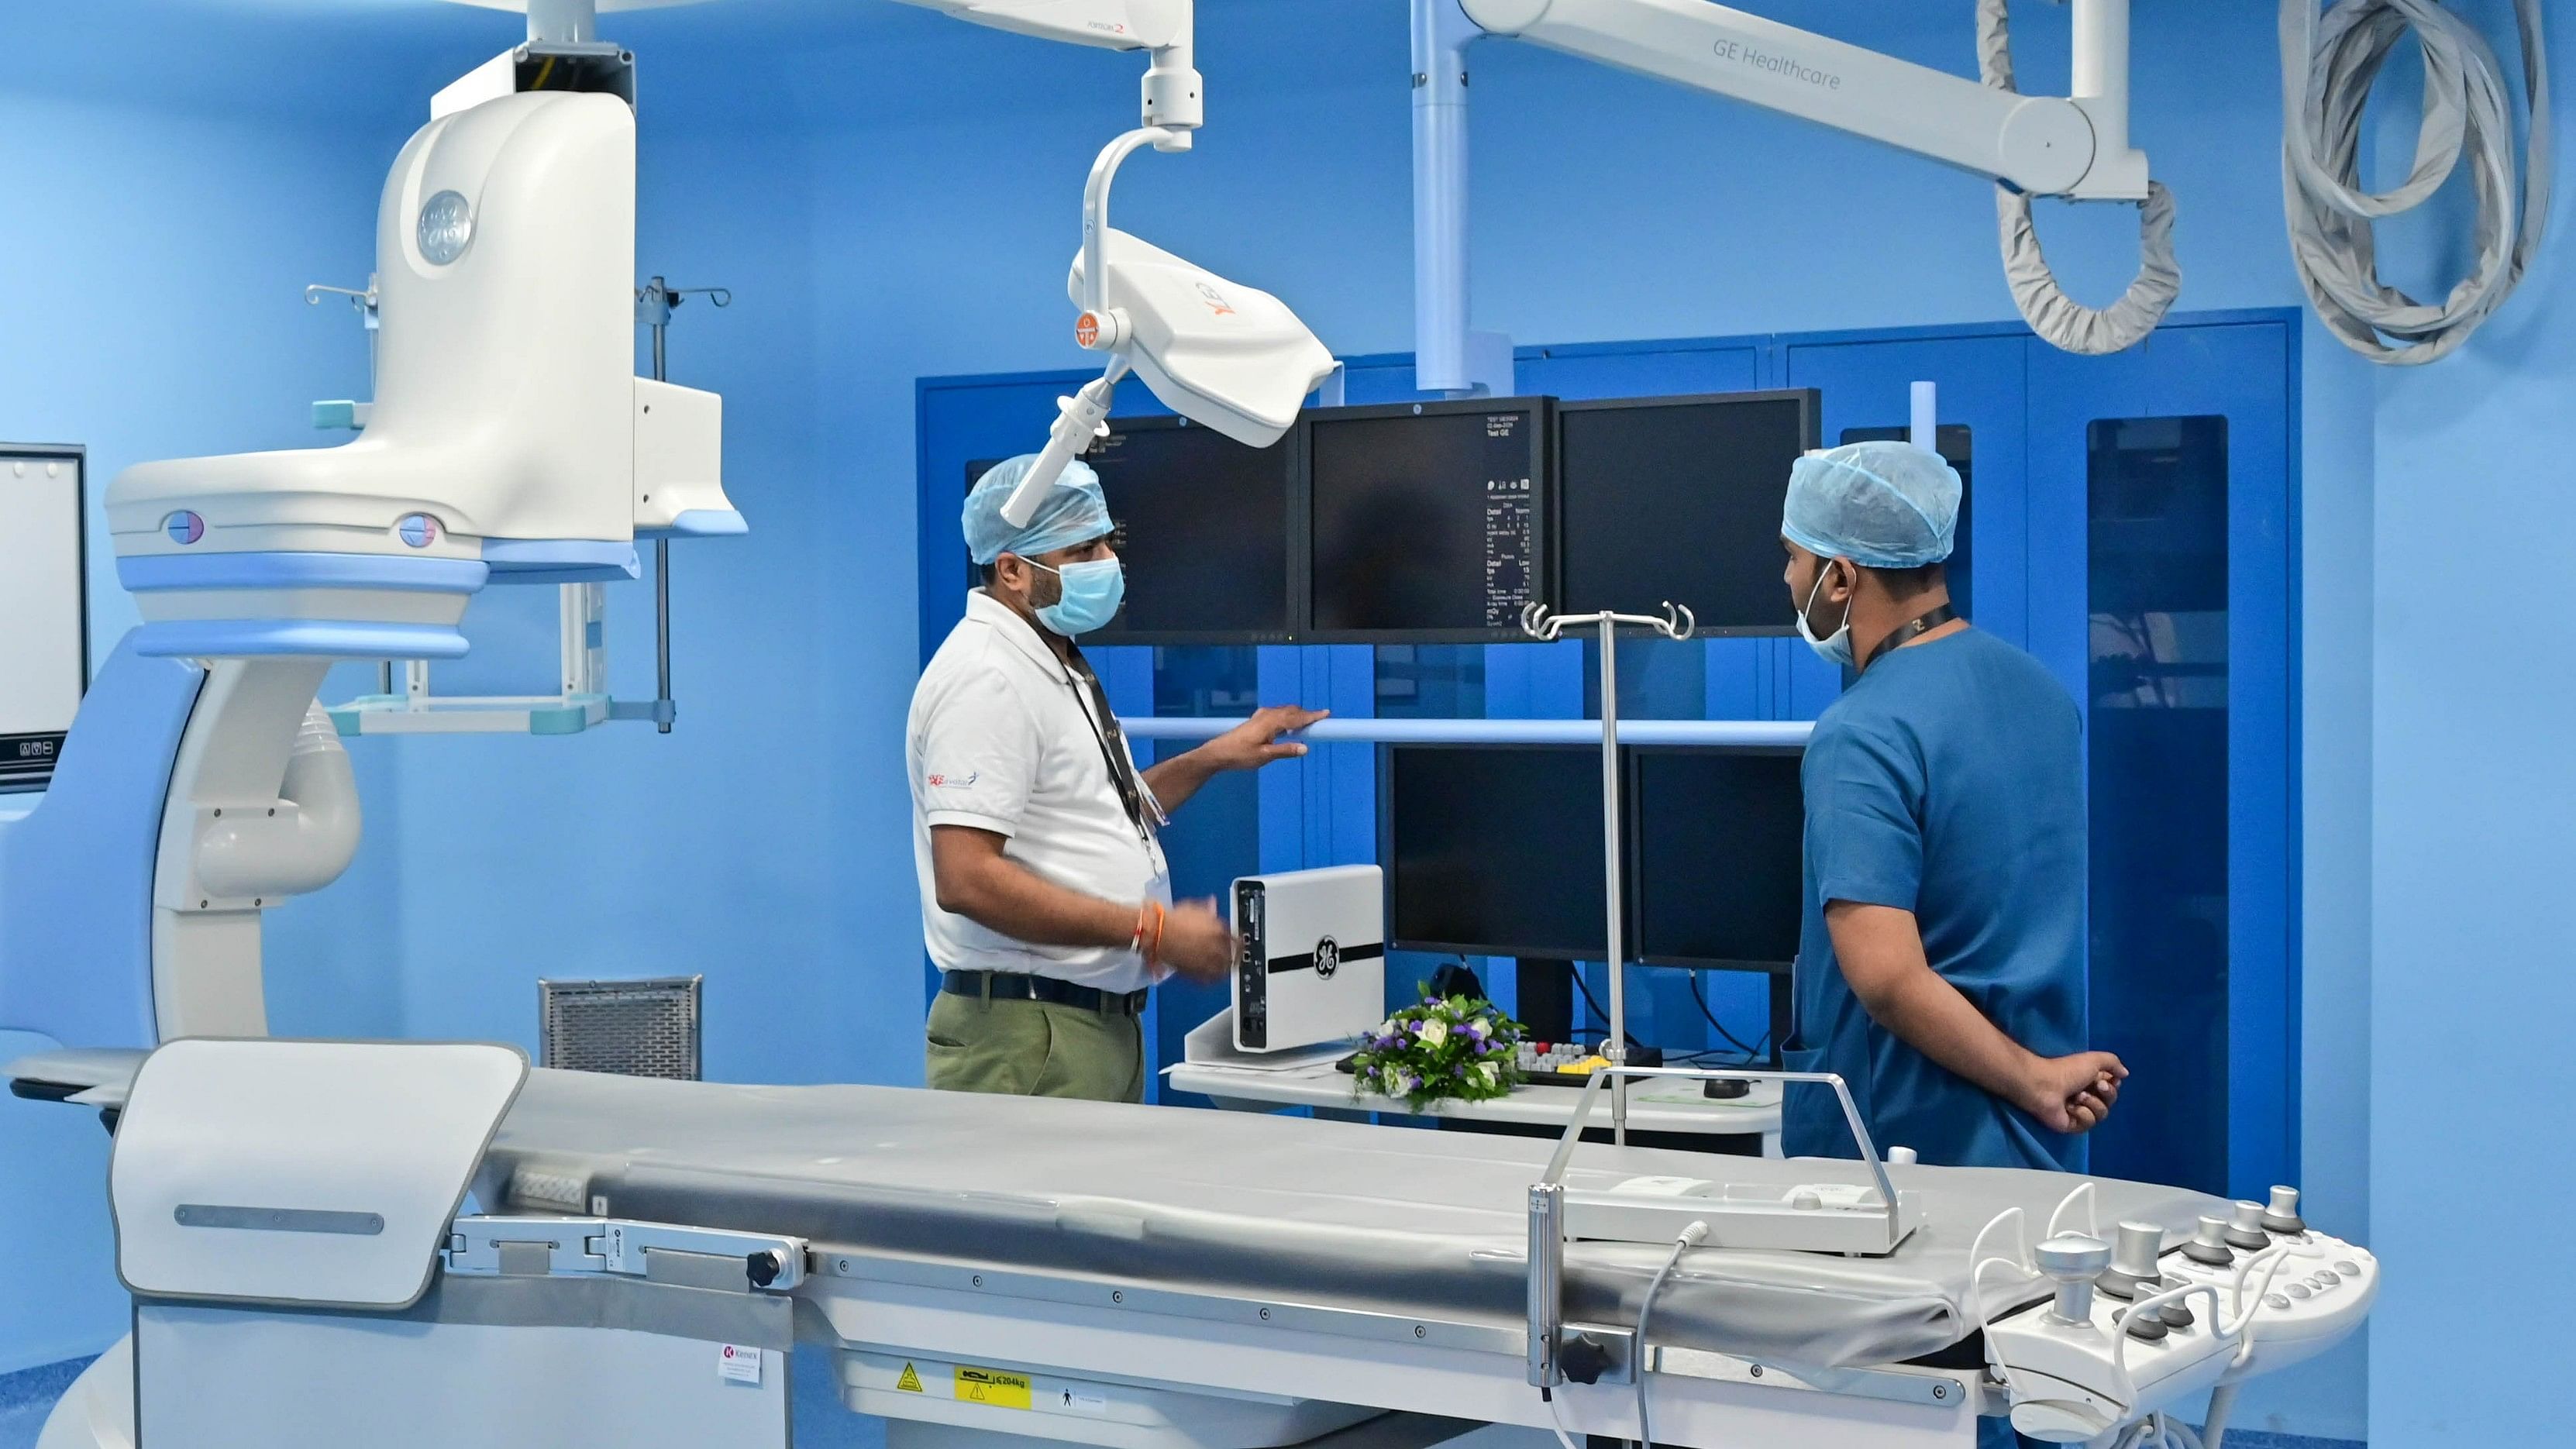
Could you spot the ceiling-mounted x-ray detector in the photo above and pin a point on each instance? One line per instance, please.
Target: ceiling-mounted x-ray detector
(1217, 352)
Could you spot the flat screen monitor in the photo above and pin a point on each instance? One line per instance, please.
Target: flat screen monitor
(1679, 499)
(1716, 852)
(1203, 531)
(1492, 850)
(1202, 527)
(1428, 522)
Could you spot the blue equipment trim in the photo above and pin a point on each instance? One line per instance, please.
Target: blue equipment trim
(152, 573)
(581, 574)
(701, 523)
(334, 638)
(559, 560)
(76, 873)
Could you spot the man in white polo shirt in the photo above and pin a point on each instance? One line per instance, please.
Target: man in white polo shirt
(1045, 899)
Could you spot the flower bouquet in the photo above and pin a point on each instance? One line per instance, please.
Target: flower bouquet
(1440, 1049)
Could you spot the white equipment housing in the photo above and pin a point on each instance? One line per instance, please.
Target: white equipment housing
(1312, 964)
(1220, 353)
(1174, 96)
(507, 409)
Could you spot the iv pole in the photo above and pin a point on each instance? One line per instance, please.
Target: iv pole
(653, 304)
(1677, 623)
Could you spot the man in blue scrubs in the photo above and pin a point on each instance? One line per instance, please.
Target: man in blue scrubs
(1941, 968)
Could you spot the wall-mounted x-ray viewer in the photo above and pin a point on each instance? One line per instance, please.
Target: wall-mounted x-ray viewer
(44, 608)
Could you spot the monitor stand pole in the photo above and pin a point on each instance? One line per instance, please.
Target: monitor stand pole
(1783, 1017)
(1545, 990)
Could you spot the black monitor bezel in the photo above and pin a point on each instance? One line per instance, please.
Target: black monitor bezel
(1294, 444)
(1386, 853)
(1811, 424)
(1542, 441)
(1632, 844)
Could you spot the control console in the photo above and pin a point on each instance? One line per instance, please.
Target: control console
(2135, 1326)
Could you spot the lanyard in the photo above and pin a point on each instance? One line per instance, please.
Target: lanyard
(1913, 628)
(1133, 792)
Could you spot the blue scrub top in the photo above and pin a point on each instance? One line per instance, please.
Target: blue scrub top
(1948, 781)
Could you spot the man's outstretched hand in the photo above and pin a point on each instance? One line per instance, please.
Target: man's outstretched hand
(1255, 742)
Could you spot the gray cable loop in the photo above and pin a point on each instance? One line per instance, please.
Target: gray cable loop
(2059, 319)
(2328, 64)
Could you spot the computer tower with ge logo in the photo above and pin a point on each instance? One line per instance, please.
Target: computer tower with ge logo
(1312, 965)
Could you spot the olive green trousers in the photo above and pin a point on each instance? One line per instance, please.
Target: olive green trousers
(1035, 1049)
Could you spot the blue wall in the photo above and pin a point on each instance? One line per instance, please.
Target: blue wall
(893, 195)
(2471, 789)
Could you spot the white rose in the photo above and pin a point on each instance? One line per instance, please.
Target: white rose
(1434, 1032)
(1487, 1074)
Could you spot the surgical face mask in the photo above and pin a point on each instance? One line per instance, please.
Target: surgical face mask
(1092, 593)
(1835, 648)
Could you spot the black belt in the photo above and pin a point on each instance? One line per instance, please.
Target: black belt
(1013, 986)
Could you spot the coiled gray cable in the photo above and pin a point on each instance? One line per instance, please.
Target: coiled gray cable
(2056, 317)
(2328, 64)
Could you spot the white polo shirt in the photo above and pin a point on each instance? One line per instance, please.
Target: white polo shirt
(1001, 738)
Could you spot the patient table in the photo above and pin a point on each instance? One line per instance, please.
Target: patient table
(395, 1245)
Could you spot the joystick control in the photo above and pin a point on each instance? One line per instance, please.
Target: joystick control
(2073, 1261)
(2283, 1214)
(2209, 1244)
(2245, 1230)
(2133, 1272)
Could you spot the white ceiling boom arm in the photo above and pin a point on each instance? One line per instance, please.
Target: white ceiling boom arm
(2048, 145)
(2075, 146)
(1166, 29)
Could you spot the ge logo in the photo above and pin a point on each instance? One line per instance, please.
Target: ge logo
(1328, 958)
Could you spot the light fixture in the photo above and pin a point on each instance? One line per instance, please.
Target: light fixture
(1219, 353)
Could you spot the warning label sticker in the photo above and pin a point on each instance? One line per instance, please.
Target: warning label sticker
(992, 1386)
(909, 1381)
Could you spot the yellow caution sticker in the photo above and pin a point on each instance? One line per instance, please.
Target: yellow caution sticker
(910, 1382)
(992, 1386)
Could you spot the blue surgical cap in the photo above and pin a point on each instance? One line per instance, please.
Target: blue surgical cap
(1881, 505)
(1071, 512)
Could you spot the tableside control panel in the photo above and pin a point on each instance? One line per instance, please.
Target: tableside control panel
(2087, 1362)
